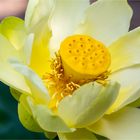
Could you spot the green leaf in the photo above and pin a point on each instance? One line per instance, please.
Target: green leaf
(87, 104)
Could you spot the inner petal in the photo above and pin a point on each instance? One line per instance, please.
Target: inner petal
(83, 57)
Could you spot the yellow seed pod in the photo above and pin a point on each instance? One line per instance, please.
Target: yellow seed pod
(84, 58)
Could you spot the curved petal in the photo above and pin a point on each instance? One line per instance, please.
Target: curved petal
(13, 28)
(36, 21)
(65, 17)
(39, 91)
(87, 104)
(129, 80)
(106, 20)
(125, 51)
(46, 119)
(26, 117)
(122, 125)
(79, 134)
(36, 11)
(7, 74)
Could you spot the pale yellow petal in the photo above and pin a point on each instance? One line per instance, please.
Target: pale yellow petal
(7, 74)
(38, 89)
(129, 80)
(87, 104)
(79, 134)
(125, 51)
(64, 19)
(106, 20)
(122, 125)
(46, 119)
(13, 28)
(36, 21)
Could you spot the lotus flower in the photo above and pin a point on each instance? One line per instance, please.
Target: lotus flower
(74, 68)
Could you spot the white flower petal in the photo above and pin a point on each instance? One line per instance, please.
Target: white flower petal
(106, 20)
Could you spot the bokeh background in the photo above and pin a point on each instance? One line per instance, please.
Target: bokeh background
(10, 127)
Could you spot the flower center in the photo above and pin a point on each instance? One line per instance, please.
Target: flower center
(83, 57)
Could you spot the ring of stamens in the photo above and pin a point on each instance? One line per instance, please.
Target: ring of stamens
(81, 59)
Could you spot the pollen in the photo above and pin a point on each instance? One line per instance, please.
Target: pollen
(83, 57)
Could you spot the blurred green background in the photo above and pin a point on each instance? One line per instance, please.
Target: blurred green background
(10, 127)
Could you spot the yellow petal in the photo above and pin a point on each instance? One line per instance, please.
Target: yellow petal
(79, 134)
(129, 80)
(7, 74)
(36, 11)
(87, 104)
(46, 119)
(26, 118)
(36, 21)
(38, 89)
(65, 17)
(125, 51)
(13, 28)
(104, 20)
(122, 125)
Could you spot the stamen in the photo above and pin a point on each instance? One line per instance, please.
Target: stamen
(81, 59)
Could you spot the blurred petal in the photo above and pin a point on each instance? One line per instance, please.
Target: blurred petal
(13, 28)
(79, 134)
(7, 74)
(39, 91)
(50, 135)
(46, 119)
(16, 94)
(26, 117)
(122, 125)
(135, 103)
(104, 20)
(65, 18)
(125, 51)
(36, 11)
(129, 80)
(87, 104)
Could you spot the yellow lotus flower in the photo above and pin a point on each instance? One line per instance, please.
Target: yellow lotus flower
(74, 68)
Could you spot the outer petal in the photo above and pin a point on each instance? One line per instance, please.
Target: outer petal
(80, 134)
(125, 51)
(36, 11)
(87, 104)
(122, 125)
(107, 20)
(13, 28)
(26, 117)
(46, 119)
(129, 80)
(7, 74)
(36, 21)
(65, 18)
(39, 91)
